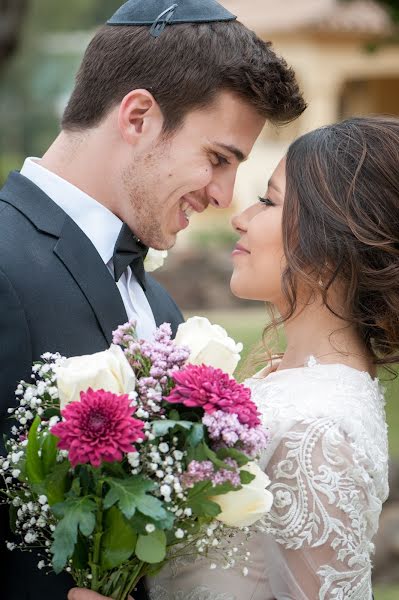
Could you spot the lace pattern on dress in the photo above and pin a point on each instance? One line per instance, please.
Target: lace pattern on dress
(329, 476)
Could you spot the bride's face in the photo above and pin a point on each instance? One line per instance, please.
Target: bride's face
(259, 256)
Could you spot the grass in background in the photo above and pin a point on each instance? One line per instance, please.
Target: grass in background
(386, 592)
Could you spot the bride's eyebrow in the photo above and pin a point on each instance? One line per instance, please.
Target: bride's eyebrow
(240, 156)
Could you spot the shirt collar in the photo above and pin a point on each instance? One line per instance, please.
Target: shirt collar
(99, 224)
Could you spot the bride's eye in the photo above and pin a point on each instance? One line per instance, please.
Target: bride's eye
(266, 201)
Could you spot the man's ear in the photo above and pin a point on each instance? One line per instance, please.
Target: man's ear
(140, 117)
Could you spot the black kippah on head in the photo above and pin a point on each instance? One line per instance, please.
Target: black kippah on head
(159, 13)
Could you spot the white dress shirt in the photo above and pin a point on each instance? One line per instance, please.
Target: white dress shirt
(102, 228)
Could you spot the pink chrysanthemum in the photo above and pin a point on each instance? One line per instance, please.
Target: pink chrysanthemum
(213, 390)
(99, 428)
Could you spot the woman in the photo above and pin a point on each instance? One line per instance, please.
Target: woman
(323, 247)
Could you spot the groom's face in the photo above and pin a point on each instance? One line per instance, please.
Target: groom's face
(193, 168)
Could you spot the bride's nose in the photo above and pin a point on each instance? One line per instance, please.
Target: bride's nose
(238, 223)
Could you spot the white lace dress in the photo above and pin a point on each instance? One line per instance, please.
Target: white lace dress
(328, 464)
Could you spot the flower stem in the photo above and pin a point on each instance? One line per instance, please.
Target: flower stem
(132, 581)
(98, 533)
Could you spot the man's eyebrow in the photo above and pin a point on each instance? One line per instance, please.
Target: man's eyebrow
(240, 156)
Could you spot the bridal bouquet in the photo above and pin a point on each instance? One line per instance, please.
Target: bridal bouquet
(124, 459)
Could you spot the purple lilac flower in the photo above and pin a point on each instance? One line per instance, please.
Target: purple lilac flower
(205, 471)
(226, 476)
(197, 471)
(125, 333)
(154, 362)
(227, 431)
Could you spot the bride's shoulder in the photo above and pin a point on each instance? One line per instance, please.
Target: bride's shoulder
(317, 390)
(314, 375)
(325, 401)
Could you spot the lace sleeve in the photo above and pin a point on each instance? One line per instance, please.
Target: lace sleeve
(325, 512)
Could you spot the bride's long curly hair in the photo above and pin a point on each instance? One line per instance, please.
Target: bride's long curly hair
(341, 224)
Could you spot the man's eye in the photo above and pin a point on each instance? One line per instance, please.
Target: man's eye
(266, 201)
(219, 160)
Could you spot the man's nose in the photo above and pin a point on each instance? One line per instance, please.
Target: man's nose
(220, 190)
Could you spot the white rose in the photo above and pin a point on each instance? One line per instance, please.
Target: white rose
(209, 344)
(248, 505)
(154, 260)
(107, 370)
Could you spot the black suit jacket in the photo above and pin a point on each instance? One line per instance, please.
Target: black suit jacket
(56, 295)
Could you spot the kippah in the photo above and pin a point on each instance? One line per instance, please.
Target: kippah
(159, 13)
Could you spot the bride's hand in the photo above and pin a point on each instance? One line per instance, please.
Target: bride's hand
(79, 594)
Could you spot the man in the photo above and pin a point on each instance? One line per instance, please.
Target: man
(163, 112)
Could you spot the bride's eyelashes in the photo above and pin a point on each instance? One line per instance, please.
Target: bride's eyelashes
(266, 201)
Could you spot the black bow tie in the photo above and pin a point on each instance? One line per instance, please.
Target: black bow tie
(129, 252)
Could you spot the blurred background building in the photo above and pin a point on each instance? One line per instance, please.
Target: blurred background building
(346, 57)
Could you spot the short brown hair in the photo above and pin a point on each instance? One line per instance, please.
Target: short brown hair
(185, 68)
(341, 224)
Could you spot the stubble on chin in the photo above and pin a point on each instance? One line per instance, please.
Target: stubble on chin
(145, 209)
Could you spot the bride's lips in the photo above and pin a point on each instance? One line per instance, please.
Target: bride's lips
(240, 250)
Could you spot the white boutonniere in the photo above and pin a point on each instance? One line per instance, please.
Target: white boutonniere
(154, 260)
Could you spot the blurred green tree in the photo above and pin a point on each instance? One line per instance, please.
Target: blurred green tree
(49, 16)
(12, 14)
(393, 8)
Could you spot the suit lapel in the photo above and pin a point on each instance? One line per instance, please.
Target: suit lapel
(85, 265)
(154, 303)
(73, 248)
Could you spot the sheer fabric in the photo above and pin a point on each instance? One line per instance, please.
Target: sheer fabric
(328, 466)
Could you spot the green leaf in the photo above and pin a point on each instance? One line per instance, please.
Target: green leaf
(76, 488)
(161, 428)
(131, 495)
(77, 514)
(197, 453)
(198, 500)
(51, 412)
(49, 452)
(34, 465)
(203, 507)
(56, 483)
(196, 434)
(13, 517)
(246, 477)
(203, 488)
(241, 458)
(113, 469)
(139, 522)
(85, 483)
(174, 415)
(211, 455)
(167, 522)
(118, 541)
(80, 557)
(151, 548)
(223, 488)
